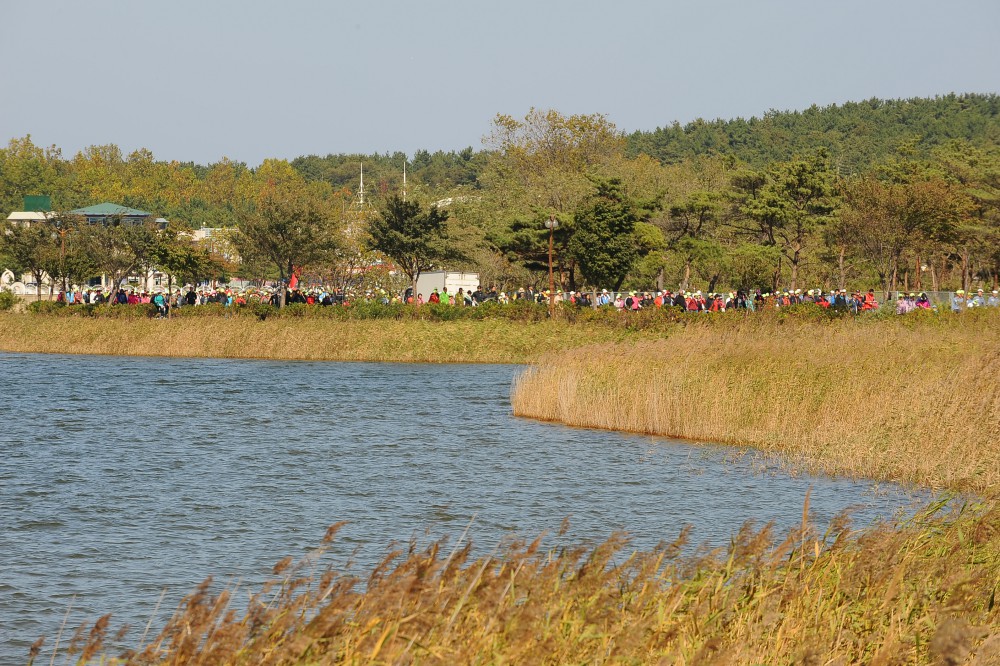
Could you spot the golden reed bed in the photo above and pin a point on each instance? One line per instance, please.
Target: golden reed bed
(881, 400)
(922, 592)
(493, 341)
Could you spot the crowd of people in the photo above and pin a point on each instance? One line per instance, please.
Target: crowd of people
(857, 301)
(696, 301)
(960, 301)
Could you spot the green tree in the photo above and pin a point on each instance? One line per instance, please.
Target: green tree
(691, 229)
(98, 173)
(886, 220)
(177, 254)
(78, 265)
(288, 222)
(27, 169)
(71, 263)
(524, 242)
(786, 205)
(604, 244)
(543, 161)
(976, 171)
(119, 248)
(411, 237)
(707, 256)
(30, 249)
(750, 266)
(857, 134)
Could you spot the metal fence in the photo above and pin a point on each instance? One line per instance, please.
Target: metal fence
(939, 298)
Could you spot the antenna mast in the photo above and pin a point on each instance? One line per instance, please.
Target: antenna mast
(361, 188)
(360, 211)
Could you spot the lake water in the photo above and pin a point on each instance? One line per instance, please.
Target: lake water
(122, 477)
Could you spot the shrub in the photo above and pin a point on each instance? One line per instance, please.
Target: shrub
(368, 310)
(7, 300)
(810, 312)
(46, 307)
(518, 311)
(295, 310)
(103, 311)
(252, 308)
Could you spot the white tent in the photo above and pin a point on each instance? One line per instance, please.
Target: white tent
(28, 216)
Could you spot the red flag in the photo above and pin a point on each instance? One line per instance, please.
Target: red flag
(294, 281)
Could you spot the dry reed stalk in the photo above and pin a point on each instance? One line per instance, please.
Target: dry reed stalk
(919, 592)
(493, 341)
(881, 402)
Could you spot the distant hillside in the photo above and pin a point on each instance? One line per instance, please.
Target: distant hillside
(858, 134)
(439, 171)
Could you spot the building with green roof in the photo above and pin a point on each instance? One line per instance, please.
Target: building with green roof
(102, 212)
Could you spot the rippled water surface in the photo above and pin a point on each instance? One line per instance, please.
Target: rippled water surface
(122, 477)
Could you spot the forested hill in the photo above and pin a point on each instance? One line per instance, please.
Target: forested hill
(439, 170)
(857, 134)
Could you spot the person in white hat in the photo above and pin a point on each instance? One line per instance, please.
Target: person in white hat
(994, 300)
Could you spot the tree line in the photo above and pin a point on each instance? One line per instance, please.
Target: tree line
(897, 195)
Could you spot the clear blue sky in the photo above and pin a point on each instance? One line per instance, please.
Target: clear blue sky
(203, 79)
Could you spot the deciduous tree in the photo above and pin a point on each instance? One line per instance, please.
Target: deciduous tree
(29, 249)
(119, 248)
(412, 237)
(288, 222)
(884, 220)
(543, 161)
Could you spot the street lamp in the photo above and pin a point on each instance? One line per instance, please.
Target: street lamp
(551, 224)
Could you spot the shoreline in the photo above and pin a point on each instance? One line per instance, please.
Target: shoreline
(364, 340)
(890, 400)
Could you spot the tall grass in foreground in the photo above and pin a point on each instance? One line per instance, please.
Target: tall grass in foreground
(882, 400)
(919, 592)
